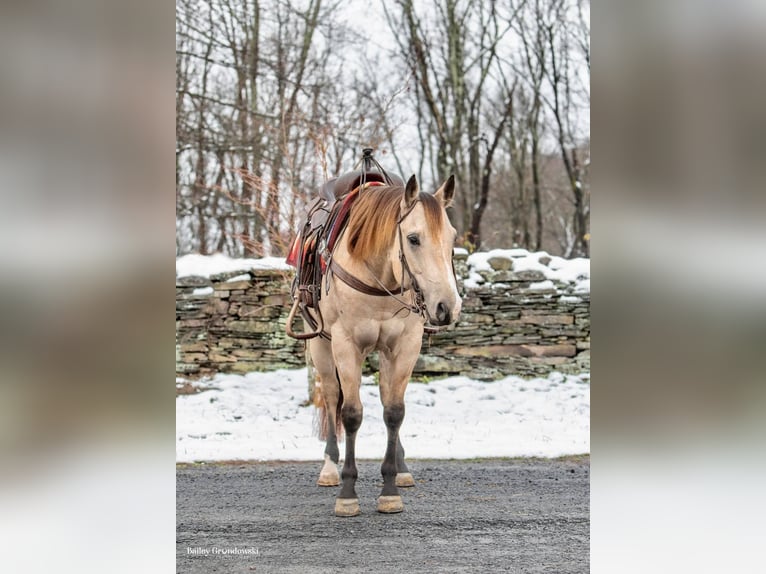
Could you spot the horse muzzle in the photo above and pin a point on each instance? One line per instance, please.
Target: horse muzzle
(444, 314)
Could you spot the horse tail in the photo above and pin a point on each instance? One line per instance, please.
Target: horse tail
(320, 412)
(321, 420)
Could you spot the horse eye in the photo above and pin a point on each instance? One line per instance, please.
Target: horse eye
(414, 240)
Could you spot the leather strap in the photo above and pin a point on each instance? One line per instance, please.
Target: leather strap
(357, 284)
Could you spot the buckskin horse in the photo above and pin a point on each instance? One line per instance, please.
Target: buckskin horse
(388, 276)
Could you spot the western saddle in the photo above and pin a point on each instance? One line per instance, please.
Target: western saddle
(311, 251)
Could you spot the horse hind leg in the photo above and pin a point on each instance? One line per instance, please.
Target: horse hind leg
(329, 476)
(328, 400)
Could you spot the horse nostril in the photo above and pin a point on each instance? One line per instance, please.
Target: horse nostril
(442, 314)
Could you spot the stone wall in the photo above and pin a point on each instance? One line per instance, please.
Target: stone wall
(513, 322)
(234, 322)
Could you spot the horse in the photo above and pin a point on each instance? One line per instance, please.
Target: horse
(390, 276)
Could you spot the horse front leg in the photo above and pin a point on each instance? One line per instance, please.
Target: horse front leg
(349, 363)
(403, 475)
(347, 503)
(395, 370)
(389, 500)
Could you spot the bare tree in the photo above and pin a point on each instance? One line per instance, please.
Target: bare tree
(252, 96)
(274, 96)
(451, 59)
(560, 77)
(533, 55)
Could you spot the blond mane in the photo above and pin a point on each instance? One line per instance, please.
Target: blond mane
(373, 219)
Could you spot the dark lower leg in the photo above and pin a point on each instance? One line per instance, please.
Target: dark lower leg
(393, 417)
(401, 466)
(352, 420)
(331, 448)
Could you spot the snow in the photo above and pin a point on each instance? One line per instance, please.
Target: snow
(569, 270)
(243, 277)
(582, 286)
(258, 416)
(207, 265)
(204, 290)
(569, 299)
(542, 285)
(474, 280)
(575, 272)
(480, 259)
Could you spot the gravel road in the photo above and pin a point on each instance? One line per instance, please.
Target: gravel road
(524, 515)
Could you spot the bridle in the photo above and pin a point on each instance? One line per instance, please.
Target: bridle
(418, 304)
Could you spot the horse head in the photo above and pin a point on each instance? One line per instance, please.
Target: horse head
(426, 239)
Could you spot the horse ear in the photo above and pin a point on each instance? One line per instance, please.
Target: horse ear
(411, 192)
(446, 192)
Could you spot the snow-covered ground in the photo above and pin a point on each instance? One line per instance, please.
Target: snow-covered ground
(259, 416)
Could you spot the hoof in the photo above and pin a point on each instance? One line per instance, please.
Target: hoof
(328, 481)
(347, 507)
(404, 479)
(329, 475)
(390, 504)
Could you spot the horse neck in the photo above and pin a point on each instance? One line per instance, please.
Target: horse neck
(368, 270)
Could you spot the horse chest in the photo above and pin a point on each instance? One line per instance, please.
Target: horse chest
(385, 335)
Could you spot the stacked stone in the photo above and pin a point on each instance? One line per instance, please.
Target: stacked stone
(193, 315)
(508, 327)
(235, 322)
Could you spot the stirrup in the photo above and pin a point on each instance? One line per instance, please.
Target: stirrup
(291, 320)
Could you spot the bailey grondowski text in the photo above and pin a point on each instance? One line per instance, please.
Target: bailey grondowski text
(218, 551)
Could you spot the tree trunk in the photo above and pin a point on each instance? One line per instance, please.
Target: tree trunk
(536, 192)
